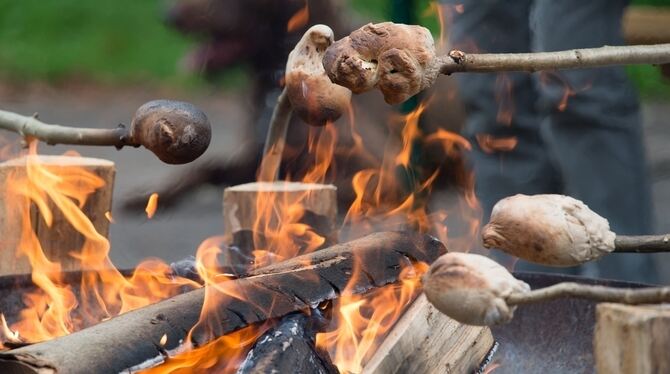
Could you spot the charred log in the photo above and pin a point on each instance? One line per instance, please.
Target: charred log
(289, 347)
(271, 292)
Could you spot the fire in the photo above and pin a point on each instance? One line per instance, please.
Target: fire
(220, 356)
(490, 144)
(152, 205)
(362, 320)
(55, 309)
(299, 19)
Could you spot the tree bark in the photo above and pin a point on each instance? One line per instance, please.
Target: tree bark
(642, 244)
(271, 292)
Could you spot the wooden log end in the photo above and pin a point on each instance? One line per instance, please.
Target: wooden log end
(59, 240)
(632, 339)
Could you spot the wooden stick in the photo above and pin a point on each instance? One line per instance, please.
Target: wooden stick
(651, 295)
(642, 244)
(459, 62)
(400, 60)
(276, 139)
(61, 239)
(274, 291)
(176, 132)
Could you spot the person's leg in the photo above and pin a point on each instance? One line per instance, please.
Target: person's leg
(595, 138)
(500, 108)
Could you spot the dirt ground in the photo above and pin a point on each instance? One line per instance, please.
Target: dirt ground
(174, 234)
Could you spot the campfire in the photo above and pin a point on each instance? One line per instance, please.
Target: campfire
(291, 285)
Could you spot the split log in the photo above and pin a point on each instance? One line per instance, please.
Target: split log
(289, 347)
(427, 341)
(632, 339)
(61, 239)
(240, 205)
(271, 292)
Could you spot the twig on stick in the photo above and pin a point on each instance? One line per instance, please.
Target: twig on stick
(476, 290)
(651, 295)
(401, 61)
(642, 243)
(458, 62)
(276, 139)
(176, 132)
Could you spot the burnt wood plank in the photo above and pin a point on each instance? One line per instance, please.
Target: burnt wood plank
(132, 338)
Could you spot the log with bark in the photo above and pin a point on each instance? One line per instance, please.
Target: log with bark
(271, 292)
(288, 347)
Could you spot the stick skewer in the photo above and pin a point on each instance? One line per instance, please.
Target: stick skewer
(308, 92)
(401, 60)
(176, 132)
(476, 290)
(557, 230)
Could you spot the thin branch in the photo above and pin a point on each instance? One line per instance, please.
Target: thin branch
(651, 295)
(642, 244)
(175, 131)
(58, 134)
(457, 61)
(276, 139)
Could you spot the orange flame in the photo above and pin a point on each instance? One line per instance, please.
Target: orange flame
(220, 356)
(104, 291)
(490, 144)
(152, 205)
(299, 19)
(362, 320)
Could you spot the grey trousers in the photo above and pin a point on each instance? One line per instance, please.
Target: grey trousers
(578, 131)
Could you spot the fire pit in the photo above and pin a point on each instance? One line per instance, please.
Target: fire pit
(279, 291)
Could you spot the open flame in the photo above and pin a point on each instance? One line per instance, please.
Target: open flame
(57, 308)
(391, 193)
(389, 196)
(362, 320)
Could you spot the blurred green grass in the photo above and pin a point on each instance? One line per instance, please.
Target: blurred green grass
(124, 41)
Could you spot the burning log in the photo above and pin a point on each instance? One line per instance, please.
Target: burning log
(400, 60)
(271, 292)
(289, 347)
(558, 230)
(241, 205)
(176, 132)
(475, 290)
(410, 347)
(56, 234)
(632, 339)
(308, 92)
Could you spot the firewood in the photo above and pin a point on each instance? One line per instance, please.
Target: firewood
(632, 339)
(288, 347)
(61, 239)
(240, 207)
(401, 61)
(558, 230)
(271, 292)
(427, 341)
(176, 132)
